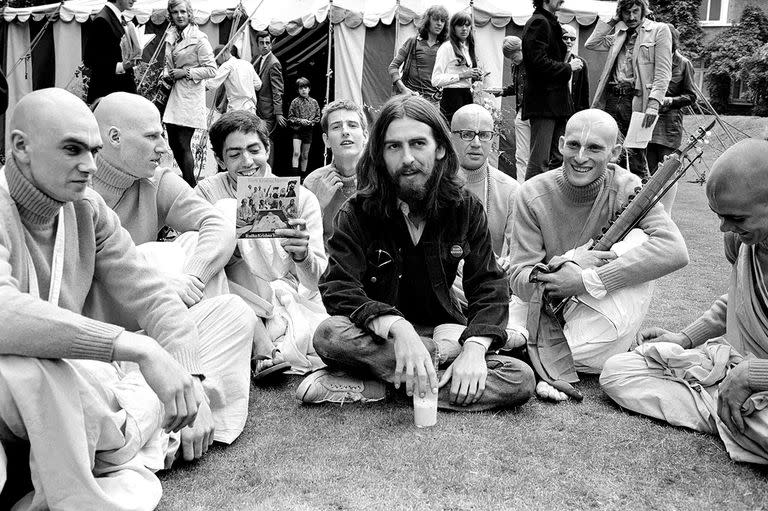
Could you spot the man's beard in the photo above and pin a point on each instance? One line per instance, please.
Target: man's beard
(416, 197)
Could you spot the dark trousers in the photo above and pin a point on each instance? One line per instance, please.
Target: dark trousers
(655, 154)
(620, 108)
(452, 100)
(342, 345)
(545, 153)
(180, 140)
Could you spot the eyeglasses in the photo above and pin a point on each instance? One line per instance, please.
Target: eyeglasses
(568, 38)
(469, 135)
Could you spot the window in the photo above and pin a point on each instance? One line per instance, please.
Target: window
(713, 12)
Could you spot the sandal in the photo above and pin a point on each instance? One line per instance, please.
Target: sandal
(261, 368)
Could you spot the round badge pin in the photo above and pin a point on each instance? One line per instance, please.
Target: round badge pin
(456, 251)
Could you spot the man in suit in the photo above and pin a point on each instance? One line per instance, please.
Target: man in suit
(547, 99)
(104, 53)
(270, 97)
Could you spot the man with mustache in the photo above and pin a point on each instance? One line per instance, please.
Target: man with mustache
(558, 213)
(713, 375)
(637, 70)
(147, 197)
(393, 256)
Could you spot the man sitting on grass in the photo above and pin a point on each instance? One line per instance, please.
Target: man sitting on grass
(147, 197)
(558, 214)
(393, 256)
(713, 375)
(94, 428)
(344, 133)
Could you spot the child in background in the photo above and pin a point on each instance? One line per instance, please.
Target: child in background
(303, 114)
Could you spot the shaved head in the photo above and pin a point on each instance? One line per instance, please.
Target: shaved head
(737, 190)
(473, 153)
(53, 137)
(132, 131)
(589, 143)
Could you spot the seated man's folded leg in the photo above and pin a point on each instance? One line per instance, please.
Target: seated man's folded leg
(226, 327)
(752, 446)
(631, 382)
(510, 382)
(67, 419)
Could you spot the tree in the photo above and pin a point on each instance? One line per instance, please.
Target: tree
(684, 15)
(755, 74)
(724, 54)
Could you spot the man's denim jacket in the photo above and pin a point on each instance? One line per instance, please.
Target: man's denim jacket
(365, 267)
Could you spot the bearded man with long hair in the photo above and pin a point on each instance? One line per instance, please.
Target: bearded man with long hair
(393, 256)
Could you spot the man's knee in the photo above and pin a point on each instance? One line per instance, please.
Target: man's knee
(617, 370)
(513, 380)
(331, 336)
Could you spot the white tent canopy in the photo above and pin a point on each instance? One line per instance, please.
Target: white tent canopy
(280, 14)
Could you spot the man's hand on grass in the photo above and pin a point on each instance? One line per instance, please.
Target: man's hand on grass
(467, 375)
(734, 391)
(413, 363)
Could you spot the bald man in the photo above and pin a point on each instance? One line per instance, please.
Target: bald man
(557, 214)
(146, 197)
(472, 135)
(713, 375)
(94, 429)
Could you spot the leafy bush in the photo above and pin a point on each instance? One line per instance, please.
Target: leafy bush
(725, 54)
(684, 15)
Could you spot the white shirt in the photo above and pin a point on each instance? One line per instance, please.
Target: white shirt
(241, 83)
(446, 72)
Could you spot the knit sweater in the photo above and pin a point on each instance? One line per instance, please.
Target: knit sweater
(144, 206)
(96, 248)
(498, 197)
(348, 188)
(552, 217)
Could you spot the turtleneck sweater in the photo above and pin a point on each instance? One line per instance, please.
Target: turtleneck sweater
(95, 248)
(348, 188)
(552, 216)
(498, 196)
(144, 206)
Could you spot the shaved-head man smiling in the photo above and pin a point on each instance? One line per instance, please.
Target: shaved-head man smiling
(85, 419)
(665, 376)
(146, 197)
(558, 213)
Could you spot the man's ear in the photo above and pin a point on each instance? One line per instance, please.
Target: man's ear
(561, 144)
(113, 135)
(615, 152)
(20, 146)
(220, 162)
(440, 153)
(325, 140)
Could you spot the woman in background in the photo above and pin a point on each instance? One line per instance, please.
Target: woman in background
(456, 66)
(188, 61)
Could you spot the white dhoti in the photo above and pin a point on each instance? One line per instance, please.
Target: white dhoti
(667, 382)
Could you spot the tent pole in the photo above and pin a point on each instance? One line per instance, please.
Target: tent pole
(28, 54)
(328, 71)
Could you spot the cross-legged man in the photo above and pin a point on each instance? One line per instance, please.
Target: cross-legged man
(713, 375)
(556, 216)
(147, 197)
(393, 256)
(96, 430)
(345, 132)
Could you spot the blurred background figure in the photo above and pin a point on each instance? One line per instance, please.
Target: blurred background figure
(580, 78)
(240, 81)
(188, 62)
(303, 114)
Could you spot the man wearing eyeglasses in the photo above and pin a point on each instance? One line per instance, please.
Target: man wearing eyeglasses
(637, 70)
(579, 83)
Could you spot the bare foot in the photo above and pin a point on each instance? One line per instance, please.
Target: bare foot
(546, 391)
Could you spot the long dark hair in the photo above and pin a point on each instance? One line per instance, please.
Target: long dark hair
(462, 18)
(373, 180)
(435, 11)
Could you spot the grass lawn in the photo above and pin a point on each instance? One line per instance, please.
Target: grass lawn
(539, 456)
